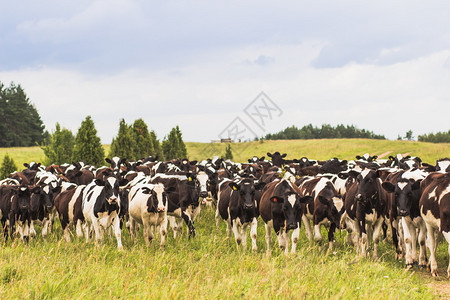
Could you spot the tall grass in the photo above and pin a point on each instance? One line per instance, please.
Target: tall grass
(206, 267)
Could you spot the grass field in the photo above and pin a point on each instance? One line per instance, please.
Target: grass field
(206, 267)
(209, 266)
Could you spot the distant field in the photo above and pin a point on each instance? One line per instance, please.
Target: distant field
(314, 149)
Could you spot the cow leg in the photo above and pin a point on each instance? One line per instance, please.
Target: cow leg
(331, 237)
(163, 232)
(98, 230)
(268, 226)
(308, 230)
(148, 236)
(133, 230)
(317, 233)
(253, 233)
(235, 224)
(422, 244)
(283, 241)
(79, 229)
(45, 227)
(395, 235)
(229, 229)
(378, 226)
(118, 232)
(26, 231)
(410, 237)
(173, 225)
(447, 238)
(431, 241)
(189, 223)
(86, 227)
(244, 235)
(32, 230)
(5, 230)
(217, 217)
(294, 237)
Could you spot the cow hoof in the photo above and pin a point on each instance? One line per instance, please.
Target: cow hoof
(422, 267)
(415, 263)
(434, 273)
(409, 266)
(255, 249)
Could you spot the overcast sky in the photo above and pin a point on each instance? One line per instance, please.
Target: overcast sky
(382, 66)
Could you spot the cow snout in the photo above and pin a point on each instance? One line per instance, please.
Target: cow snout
(203, 194)
(248, 206)
(358, 197)
(291, 226)
(402, 212)
(161, 209)
(113, 199)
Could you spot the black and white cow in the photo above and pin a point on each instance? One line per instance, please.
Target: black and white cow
(148, 206)
(101, 206)
(280, 209)
(322, 207)
(14, 208)
(68, 204)
(365, 210)
(435, 210)
(277, 158)
(238, 206)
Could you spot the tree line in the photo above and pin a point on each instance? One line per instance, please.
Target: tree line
(438, 137)
(326, 131)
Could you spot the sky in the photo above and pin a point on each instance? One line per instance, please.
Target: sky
(221, 68)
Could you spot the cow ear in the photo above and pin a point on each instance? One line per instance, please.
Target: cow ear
(284, 155)
(108, 160)
(268, 154)
(57, 189)
(262, 158)
(234, 186)
(353, 173)
(123, 182)
(389, 187)
(416, 185)
(146, 190)
(171, 189)
(305, 199)
(260, 185)
(26, 165)
(249, 160)
(343, 175)
(391, 157)
(122, 161)
(429, 168)
(99, 182)
(374, 157)
(193, 163)
(36, 189)
(276, 199)
(358, 157)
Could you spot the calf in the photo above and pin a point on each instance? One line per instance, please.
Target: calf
(14, 207)
(237, 204)
(322, 207)
(365, 208)
(68, 204)
(435, 210)
(280, 209)
(148, 206)
(42, 207)
(101, 205)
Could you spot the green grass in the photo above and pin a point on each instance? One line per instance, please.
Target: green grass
(320, 149)
(206, 267)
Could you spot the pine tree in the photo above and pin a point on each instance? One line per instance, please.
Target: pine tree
(143, 145)
(157, 146)
(60, 146)
(88, 147)
(228, 152)
(181, 145)
(123, 145)
(8, 166)
(173, 146)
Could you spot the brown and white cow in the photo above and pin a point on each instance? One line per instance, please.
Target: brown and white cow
(68, 205)
(322, 207)
(435, 210)
(280, 209)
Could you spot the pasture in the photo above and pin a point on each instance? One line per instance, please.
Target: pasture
(209, 265)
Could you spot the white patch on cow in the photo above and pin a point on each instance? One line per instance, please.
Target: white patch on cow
(338, 203)
(431, 220)
(432, 195)
(402, 185)
(321, 184)
(399, 156)
(291, 199)
(443, 165)
(46, 189)
(112, 181)
(416, 174)
(365, 172)
(116, 160)
(366, 156)
(443, 193)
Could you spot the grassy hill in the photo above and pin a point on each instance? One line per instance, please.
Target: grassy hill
(314, 149)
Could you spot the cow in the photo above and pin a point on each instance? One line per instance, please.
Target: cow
(14, 208)
(79, 176)
(365, 210)
(322, 207)
(277, 158)
(442, 166)
(148, 206)
(238, 206)
(42, 207)
(101, 206)
(280, 209)
(403, 199)
(435, 210)
(68, 205)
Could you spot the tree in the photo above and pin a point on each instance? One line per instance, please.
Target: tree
(409, 135)
(228, 152)
(20, 123)
(157, 146)
(88, 147)
(8, 166)
(59, 148)
(123, 145)
(143, 141)
(173, 145)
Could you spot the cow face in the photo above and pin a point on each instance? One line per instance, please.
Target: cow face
(246, 189)
(287, 202)
(202, 181)
(368, 187)
(158, 197)
(277, 158)
(110, 189)
(115, 163)
(405, 192)
(43, 196)
(23, 199)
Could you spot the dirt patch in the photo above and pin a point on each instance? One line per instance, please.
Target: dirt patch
(440, 288)
(384, 154)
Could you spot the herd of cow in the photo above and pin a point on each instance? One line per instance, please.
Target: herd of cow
(362, 196)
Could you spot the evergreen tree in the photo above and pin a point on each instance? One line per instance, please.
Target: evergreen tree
(88, 147)
(8, 166)
(20, 123)
(123, 145)
(158, 152)
(59, 148)
(143, 140)
(173, 145)
(228, 152)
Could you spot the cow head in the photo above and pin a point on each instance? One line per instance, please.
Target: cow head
(286, 201)
(158, 197)
(367, 185)
(23, 200)
(246, 189)
(277, 158)
(202, 180)
(115, 163)
(328, 197)
(110, 189)
(405, 192)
